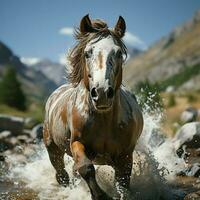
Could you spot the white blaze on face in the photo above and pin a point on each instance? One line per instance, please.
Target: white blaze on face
(99, 61)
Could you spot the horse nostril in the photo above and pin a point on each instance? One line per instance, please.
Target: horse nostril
(94, 93)
(110, 93)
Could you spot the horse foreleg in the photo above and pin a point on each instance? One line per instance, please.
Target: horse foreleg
(56, 157)
(123, 168)
(87, 171)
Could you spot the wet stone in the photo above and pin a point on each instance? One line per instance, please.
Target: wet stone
(193, 196)
(193, 170)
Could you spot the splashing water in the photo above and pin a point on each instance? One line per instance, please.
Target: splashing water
(162, 151)
(155, 164)
(38, 174)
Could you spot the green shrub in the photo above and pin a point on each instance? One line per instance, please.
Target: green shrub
(148, 96)
(11, 93)
(171, 101)
(191, 98)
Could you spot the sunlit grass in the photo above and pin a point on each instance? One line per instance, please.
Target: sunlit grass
(35, 111)
(171, 121)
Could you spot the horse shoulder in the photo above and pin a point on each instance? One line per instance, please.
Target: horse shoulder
(56, 119)
(79, 114)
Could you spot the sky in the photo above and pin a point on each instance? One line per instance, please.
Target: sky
(44, 28)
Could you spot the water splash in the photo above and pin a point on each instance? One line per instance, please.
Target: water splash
(155, 164)
(38, 174)
(162, 150)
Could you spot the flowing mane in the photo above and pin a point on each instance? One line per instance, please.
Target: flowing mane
(76, 55)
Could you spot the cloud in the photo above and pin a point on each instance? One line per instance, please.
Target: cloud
(62, 59)
(29, 61)
(66, 31)
(134, 41)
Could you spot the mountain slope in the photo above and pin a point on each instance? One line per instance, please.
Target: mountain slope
(169, 56)
(54, 71)
(35, 84)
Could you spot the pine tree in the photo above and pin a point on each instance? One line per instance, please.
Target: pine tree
(11, 93)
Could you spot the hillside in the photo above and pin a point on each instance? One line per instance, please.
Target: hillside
(177, 53)
(35, 84)
(52, 70)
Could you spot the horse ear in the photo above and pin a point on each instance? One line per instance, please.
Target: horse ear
(86, 25)
(120, 27)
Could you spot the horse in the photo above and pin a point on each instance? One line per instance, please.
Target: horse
(93, 118)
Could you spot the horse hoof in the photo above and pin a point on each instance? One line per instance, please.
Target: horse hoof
(63, 178)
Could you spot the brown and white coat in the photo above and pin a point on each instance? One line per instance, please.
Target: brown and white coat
(94, 118)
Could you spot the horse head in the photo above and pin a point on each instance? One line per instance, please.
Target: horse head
(102, 58)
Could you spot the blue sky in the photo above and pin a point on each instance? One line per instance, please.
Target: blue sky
(34, 28)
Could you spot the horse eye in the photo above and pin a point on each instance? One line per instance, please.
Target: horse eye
(88, 54)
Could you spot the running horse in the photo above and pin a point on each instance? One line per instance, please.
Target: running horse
(93, 118)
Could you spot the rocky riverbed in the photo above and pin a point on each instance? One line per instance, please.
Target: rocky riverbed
(164, 168)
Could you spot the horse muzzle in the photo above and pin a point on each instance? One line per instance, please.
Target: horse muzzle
(102, 98)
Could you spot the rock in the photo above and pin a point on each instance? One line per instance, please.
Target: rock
(11, 123)
(14, 141)
(170, 89)
(193, 196)
(189, 115)
(36, 132)
(2, 158)
(5, 145)
(27, 132)
(4, 134)
(29, 123)
(24, 139)
(188, 136)
(193, 170)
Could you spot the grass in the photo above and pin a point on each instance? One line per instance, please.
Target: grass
(35, 111)
(172, 114)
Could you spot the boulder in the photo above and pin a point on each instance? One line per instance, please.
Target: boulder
(192, 170)
(2, 158)
(170, 89)
(12, 124)
(37, 132)
(24, 139)
(4, 134)
(193, 196)
(5, 145)
(188, 136)
(14, 141)
(29, 123)
(189, 115)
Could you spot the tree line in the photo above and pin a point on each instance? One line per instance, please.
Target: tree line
(11, 92)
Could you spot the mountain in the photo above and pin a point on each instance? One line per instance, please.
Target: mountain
(132, 52)
(52, 70)
(34, 83)
(177, 54)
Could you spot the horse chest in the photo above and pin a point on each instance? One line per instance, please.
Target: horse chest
(105, 139)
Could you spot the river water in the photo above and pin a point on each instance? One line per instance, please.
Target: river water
(28, 174)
